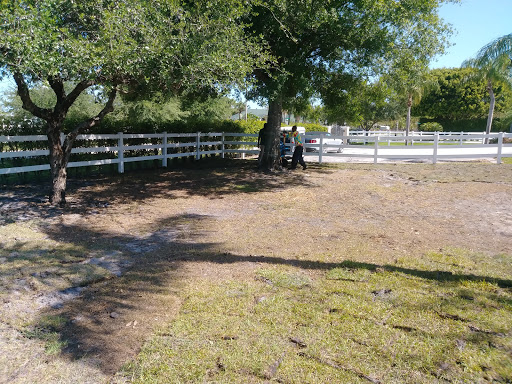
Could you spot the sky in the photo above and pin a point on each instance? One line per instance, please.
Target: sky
(475, 23)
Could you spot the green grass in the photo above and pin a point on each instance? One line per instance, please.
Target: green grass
(48, 330)
(434, 320)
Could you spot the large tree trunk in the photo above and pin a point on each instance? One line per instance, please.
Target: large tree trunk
(270, 161)
(59, 158)
(491, 110)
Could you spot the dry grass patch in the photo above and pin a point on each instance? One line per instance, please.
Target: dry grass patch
(353, 323)
(349, 273)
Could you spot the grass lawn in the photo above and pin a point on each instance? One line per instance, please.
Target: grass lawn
(348, 273)
(355, 322)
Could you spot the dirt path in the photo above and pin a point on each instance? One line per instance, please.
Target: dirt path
(152, 233)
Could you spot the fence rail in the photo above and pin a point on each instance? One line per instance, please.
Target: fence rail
(124, 148)
(429, 146)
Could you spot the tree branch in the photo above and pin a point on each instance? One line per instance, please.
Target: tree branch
(58, 88)
(109, 107)
(70, 137)
(28, 104)
(68, 100)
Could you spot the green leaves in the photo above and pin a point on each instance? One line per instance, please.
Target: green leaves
(460, 95)
(163, 42)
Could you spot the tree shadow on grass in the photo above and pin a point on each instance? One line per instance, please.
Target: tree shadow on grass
(115, 315)
(436, 275)
(212, 178)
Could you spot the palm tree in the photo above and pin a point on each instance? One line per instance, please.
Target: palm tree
(496, 48)
(410, 78)
(494, 64)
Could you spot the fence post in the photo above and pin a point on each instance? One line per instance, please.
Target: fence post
(164, 150)
(500, 147)
(223, 146)
(376, 150)
(461, 140)
(436, 146)
(198, 146)
(120, 153)
(321, 149)
(62, 138)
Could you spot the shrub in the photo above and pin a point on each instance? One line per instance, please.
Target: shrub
(431, 127)
(312, 127)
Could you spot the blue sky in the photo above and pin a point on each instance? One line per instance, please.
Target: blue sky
(475, 23)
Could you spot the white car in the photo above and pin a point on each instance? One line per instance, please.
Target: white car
(329, 143)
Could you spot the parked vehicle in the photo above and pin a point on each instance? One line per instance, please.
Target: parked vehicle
(288, 145)
(329, 143)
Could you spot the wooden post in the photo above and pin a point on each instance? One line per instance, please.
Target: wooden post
(198, 146)
(223, 146)
(500, 147)
(376, 150)
(436, 145)
(120, 153)
(321, 149)
(164, 150)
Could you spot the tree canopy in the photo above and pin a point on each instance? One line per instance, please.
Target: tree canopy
(460, 96)
(108, 47)
(494, 66)
(324, 42)
(163, 43)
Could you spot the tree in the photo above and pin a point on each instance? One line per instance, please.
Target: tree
(459, 95)
(110, 47)
(408, 70)
(85, 105)
(313, 113)
(366, 105)
(493, 62)
(319, 42)
(409, 77)
(237, 107)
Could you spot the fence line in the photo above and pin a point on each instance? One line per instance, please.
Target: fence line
(124, 148)
(431, 146)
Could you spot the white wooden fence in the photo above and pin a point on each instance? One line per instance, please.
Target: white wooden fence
(124, 148)
(427, 146)
(160, 146)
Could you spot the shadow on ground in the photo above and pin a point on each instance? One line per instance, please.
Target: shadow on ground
(215, 179)
(113, 317)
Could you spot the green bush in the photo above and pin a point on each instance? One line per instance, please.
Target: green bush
(499, 124)
(312, 127)
(431, 127)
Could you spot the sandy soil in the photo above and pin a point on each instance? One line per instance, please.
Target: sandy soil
(155, 232)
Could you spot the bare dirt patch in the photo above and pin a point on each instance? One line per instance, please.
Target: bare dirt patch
(127, 245)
